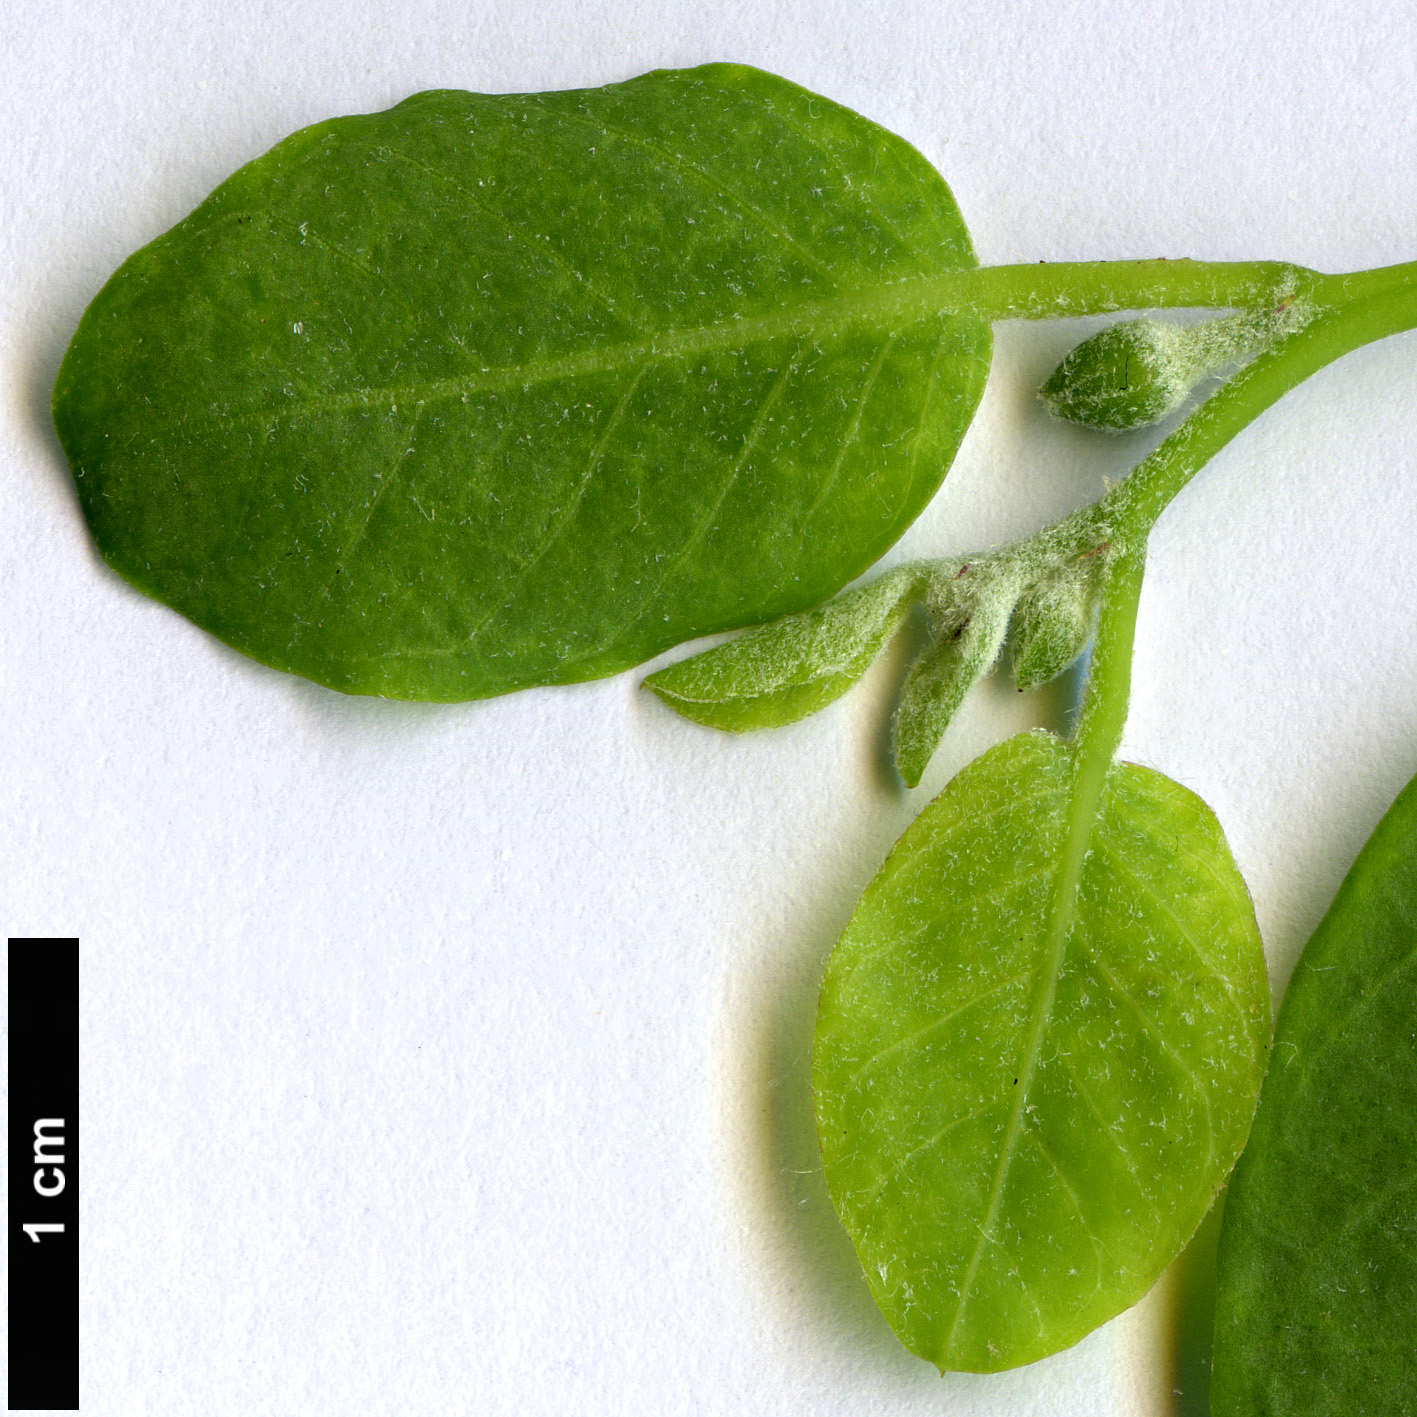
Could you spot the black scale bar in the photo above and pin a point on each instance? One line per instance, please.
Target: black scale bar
(44, 1175)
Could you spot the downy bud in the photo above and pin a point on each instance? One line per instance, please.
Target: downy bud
(1053, 621)
(1136, 372)
(1124, 377)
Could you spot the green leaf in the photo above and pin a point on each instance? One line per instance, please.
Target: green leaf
(963, 651)
(972, 602)
(491, 391)
(790, 668)
(1037, 1054)
(1316, 1308)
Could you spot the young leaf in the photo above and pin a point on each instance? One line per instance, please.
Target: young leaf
(940, 678)
(791, 667)
(1137, 372)
(1316, 1306)
(1037, 1054)
(491, 391)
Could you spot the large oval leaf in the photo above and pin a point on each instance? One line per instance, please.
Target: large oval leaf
(484, 392)
(1316, 1298)
(1031, 1080)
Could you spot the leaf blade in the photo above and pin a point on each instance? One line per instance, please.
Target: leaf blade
(783, 671)
(1316, 1297)
(565, 369)
(939, 1170)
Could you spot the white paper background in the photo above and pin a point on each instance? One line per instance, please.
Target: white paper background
(454, 1058)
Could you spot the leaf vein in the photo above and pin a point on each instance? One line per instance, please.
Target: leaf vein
(937, 1023)
(1125, 808)
(861, 194)
(927, 405)
(1335, 1026)
(897, 938)
(878, 1185)
(972, 898)
(879, 308)
(1073, 1199)
(714, 183)
(1109, 1130)
(705, 522)
(1150, 1026)
(335, 248)
(546, 250)
(1145, 888)
(568, 513)
(1083, 801)
(375, 502)
(854, 431)
(1336, 1236)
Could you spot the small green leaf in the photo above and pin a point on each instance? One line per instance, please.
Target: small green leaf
(1316, 1309)
(785, 670)
(1038, 1048)
(492, 391)
(960, 655)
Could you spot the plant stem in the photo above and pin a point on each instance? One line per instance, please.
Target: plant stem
(1131, 508)
(1347, 312)
(1342, 313)
(1109, 680)
(1053, 290)
(1057, 290)
(1365, 285)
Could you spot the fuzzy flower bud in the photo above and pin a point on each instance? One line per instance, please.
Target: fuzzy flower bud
(1136, 372)
(1052, 622)
(1124, 377)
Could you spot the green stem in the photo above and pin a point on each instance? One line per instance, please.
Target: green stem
(1300, 320)
(1109, 680)
(1057, 290)
(1052, 290)
(1338, 313)
(1348, 312)
(1365, 285)
(1131, 508)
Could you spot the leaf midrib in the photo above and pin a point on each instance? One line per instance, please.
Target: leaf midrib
(889, 309)
(1084, 798)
